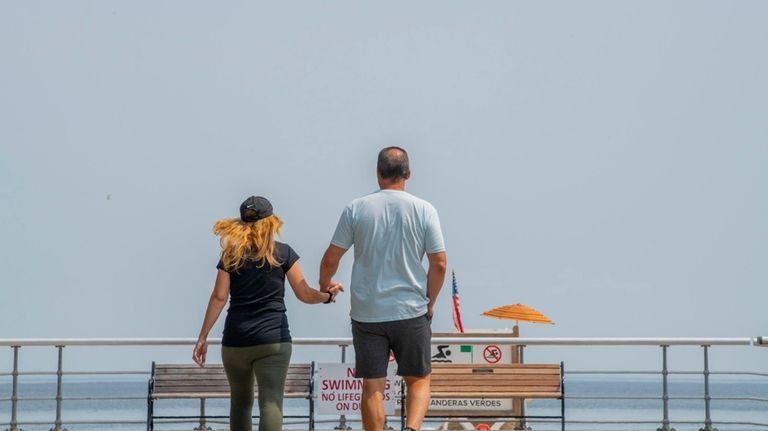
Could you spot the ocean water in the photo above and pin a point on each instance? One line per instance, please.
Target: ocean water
(684, 414)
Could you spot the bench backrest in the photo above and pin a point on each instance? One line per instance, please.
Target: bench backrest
(496, 381)
(191, 381)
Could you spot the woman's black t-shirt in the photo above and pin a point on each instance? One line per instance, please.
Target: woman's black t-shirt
(256, 313)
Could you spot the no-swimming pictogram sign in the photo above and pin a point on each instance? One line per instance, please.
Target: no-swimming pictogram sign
(492, 354)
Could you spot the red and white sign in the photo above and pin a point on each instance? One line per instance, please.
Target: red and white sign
(492, 354)
(340, 391)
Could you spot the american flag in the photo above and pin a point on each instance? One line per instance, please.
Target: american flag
(456, 313)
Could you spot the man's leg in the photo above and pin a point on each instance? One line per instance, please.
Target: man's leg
(412, 340)
(417, 402)
(372, 405)
(371, 360)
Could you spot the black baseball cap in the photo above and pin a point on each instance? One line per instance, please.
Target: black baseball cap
(255, 208)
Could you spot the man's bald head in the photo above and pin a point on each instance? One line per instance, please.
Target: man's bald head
(393, 164)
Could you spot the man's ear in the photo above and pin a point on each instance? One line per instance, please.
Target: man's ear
(408, 175)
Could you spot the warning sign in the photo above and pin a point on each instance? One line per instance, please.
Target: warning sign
(492, 354)
(340, 391)
(469, 354)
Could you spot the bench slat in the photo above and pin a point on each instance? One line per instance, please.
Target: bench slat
(500, 395)
(221, 379)
(216, 389)
(498, 368)
(196, 395)
(494, 389)
(502, 373)
(495, 386)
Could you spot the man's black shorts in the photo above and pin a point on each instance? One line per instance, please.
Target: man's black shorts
(409, 340)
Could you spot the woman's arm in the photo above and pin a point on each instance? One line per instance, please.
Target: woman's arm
(217, 302)
(307, 294)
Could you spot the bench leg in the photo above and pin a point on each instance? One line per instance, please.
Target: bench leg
(150, 409)
(202, 426)
(562, 413)
(562, 396)
(402, 405)
(150, 401)
(311, 413)
(149, 415)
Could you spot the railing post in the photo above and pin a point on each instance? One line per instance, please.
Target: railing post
(343, 418)
(707, 397)
(59, 377)
(665, 391)
(14, 426)
(202, 425)
(521, 423)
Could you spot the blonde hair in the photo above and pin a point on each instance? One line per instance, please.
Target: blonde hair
(241, 241)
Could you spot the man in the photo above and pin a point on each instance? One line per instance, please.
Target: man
(393, 297)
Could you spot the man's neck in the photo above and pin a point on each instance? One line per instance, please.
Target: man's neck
(392, 185)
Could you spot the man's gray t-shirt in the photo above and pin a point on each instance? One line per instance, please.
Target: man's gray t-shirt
(391, 231)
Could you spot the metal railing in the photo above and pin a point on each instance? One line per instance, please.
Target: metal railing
(344, 342)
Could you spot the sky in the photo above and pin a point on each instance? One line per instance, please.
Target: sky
(603, 162)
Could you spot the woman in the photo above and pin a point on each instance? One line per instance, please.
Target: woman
(256, 340)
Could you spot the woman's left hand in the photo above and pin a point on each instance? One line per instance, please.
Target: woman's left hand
(198, 355)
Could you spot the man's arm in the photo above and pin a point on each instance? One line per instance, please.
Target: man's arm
(435, 278)
(329, 265)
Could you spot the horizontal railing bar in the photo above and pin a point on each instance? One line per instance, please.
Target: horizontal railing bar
(98, 398)
(721, 373)
(36, 398)
(765, 400)
(581, 421)
(86, 422)
(610, 372)
(605, 422)
(739, 373)
(654, 397)
(567, 372)
(607, 397)
(569, 397)
(629, 372)
(104, 373)
(347, 341)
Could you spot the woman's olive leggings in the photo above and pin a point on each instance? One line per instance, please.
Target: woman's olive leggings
(269, 364)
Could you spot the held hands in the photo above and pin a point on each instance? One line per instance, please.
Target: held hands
(198, 354)
(334, 288)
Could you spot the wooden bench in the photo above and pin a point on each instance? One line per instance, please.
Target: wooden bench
(188, 381)
(495, 381)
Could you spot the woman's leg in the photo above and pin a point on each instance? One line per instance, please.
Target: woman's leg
(271, 370)
(237, 364)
